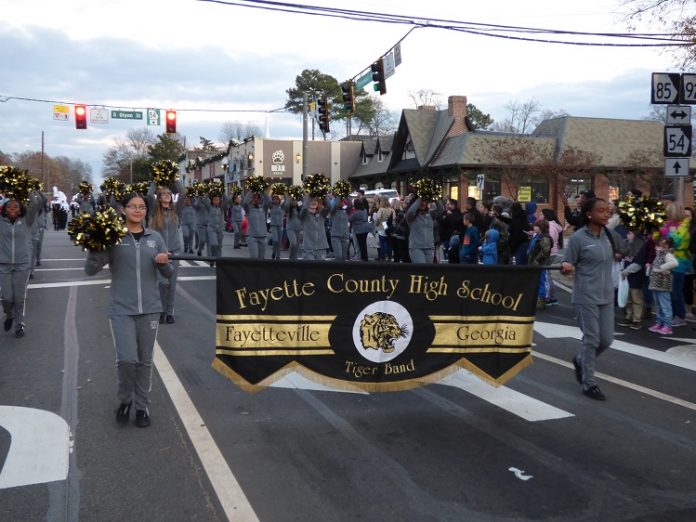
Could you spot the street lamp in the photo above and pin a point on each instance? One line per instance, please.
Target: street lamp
(298, 157)
(251, 156)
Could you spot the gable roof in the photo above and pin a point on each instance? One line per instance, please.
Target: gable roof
(426, 128)
(612, 140)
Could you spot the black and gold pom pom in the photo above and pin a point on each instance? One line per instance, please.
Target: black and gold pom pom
(278, 189)
(296, 192)
(113, 187)
(342, 188)
(641, 213)
(236, 190)
(98, 231)
(16, 183)
(165, 172)
(216, 188)
(317, 185)
(256, 184)
(85, 187)
(427, 189)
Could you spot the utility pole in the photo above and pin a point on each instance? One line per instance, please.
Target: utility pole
(43, 178)
(305, 142)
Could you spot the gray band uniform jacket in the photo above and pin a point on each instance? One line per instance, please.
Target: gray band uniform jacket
(134, 286)
(339, 218)
(293, 214)
(15, 238)
(171, 232)
(420, 225)
(313, 227)
(256, 215)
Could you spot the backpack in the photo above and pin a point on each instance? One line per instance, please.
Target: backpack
(504, 233)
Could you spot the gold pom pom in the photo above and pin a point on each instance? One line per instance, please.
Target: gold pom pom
(342, 188)
(317, 185)
(98, 231)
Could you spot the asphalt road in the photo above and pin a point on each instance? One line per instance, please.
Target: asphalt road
(536, 449)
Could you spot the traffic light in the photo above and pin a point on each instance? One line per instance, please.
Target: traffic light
(170, 119)
(348, 89)
(378, 77)
(80, 116)
(323, 110)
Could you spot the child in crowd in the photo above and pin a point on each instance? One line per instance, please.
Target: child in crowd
(634, 271)
(661, 285)
(468, 251)
(489, 249)
(539, 254)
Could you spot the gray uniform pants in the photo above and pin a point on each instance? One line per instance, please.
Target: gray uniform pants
(317, 255)
(293, 243)
(134, 339)
(276, 237)
(421, 255)
(167, 287)
(237, 227)
(340, 248)
(13, 291)
(202, 231)
(257, 247)
(187, 233)
(597, 325)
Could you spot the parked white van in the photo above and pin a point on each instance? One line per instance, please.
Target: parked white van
(371, 195)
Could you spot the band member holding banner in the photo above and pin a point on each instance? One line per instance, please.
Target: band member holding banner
(135, 305)
(421, 240)
(590, 256)
(165, 218)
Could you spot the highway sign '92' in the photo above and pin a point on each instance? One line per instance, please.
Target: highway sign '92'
(665, 88)
(677, 142)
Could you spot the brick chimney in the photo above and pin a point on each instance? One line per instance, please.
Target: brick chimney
(456, 108)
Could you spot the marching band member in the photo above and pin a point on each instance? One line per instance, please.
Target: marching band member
(135, 306)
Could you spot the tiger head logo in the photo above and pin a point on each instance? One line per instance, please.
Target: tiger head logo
(379, 331)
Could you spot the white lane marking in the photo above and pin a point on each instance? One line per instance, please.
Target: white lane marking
(184, 264)
(626, 384)
(230, 494)
(89, 282)
(202, 263)
(556, 331)
(57, 269)
(296, 381)
(39, 447)
(519, 473)
(515, 402)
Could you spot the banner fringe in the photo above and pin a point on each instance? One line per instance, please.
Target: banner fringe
(353, 386)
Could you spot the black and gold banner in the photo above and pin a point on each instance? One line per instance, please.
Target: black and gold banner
(372, 326)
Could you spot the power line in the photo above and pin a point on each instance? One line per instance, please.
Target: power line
(482, 29)
(4, 99)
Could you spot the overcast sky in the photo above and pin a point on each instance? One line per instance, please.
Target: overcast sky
(190, 54)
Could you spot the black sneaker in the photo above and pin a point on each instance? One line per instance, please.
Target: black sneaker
(199, 253)
(578, 369)
(161, 319)
(19, 332)
(625, 322)
(142, 418)
(170, 319)
(7, 324)
(636, 326)
(593, 392)
(123, 412)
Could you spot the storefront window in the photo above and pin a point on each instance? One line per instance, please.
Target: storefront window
(540, 191)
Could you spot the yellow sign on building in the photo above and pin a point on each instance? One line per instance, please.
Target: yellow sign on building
(524, 194)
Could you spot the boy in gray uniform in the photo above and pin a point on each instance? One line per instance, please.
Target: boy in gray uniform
(237, 217)
(201, 224)
(293, 226)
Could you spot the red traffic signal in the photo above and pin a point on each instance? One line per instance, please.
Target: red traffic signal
(80, 116)
(323, 110)
(170, 118)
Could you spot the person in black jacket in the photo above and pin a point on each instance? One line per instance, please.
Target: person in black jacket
(575, 218)
(450, 223)
(519, 233)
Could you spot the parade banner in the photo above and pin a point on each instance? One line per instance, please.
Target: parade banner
(372, 326)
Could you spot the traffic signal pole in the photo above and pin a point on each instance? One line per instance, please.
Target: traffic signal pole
(305, 142)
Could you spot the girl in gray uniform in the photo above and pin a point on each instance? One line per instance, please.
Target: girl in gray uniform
(15, 259)
(217, 208)
(313, 217)
(135, 306)
(340, 229)
(165, 219)
(188, 224)
(293, 226)
(276, 214)
(201, 224)
(237, 217)
(590, 256)
(421, 239)
(256, 206)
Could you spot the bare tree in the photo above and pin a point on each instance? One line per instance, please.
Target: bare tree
(238, 131)
(425, 98)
